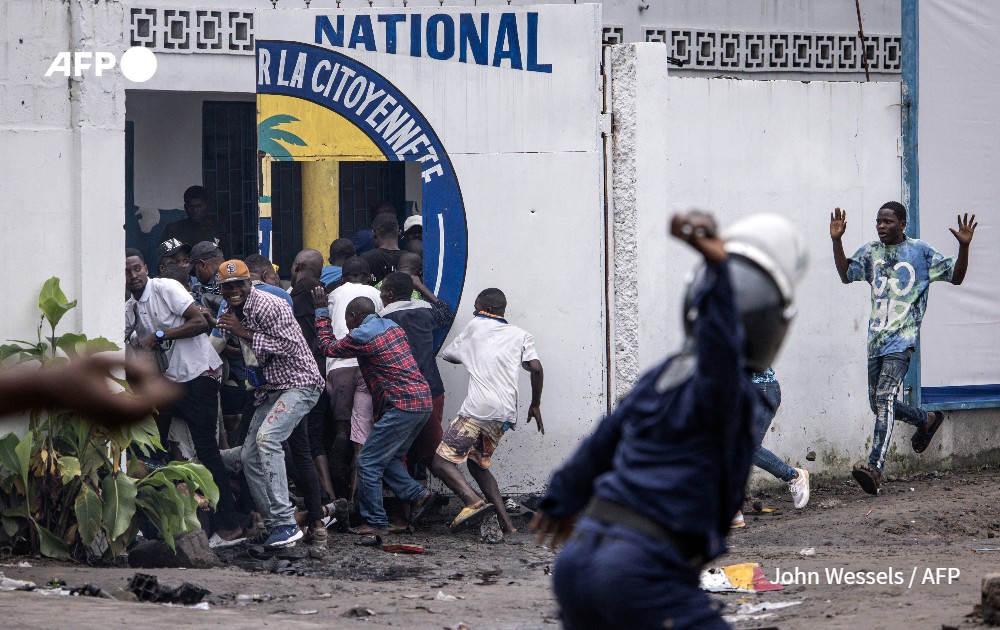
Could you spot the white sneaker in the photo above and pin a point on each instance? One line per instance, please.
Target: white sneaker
(799, 487)
(738, 520)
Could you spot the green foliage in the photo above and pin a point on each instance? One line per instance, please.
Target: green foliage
(119, 493)
(50, 545)
(174, 508)
(63, 478)
(53, 302)
(88, 508)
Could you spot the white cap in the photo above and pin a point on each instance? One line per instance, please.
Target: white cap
(415, 220)
(773, 243)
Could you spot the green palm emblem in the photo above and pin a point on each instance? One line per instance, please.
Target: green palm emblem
(270, 138)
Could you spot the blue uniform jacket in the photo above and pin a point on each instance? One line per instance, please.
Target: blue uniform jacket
(679, 447)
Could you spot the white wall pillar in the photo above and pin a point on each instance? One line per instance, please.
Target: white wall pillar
(98, 124)
(639, 210)
(62, 163)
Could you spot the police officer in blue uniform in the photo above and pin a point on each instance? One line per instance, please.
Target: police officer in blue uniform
(647, 499)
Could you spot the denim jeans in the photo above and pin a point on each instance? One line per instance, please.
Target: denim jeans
(263, 456)
(763, 458)
(381, 458)
(885, 380)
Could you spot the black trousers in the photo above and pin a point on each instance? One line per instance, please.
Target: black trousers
(199, 407)
(303, 471)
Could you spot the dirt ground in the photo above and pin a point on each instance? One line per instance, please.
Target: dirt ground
(919, 534)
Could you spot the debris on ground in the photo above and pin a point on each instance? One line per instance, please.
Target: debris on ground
(489, 578)
(191, 551)
(441, 597)
(750, 612)
(359, 612)
(90, 590)
(489, 530)
(310, 611)
(10, 584)
(737, 578)
(808, 552)
(990, 607)
(403, 548)
(148, 589)
(811, 456)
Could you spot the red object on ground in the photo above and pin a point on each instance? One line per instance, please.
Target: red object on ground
(761, 583)
(403, 548)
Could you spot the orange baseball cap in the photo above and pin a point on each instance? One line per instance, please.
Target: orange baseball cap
(233, 271)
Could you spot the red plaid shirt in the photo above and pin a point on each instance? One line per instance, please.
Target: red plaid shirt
(278, 344)
(386, 363)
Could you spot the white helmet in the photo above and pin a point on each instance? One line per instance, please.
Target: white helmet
(773, 243)
(767, 258)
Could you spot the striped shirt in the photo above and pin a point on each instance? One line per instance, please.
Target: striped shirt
(278, 344)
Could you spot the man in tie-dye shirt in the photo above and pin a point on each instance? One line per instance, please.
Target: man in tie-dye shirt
(900, 270)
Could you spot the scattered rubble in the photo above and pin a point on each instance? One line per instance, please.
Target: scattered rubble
(990, 607)
(192, 551)
(489, 530)
(148, 589)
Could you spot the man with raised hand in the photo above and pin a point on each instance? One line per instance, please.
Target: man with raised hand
(900, 270)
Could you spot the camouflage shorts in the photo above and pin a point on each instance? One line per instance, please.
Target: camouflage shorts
(469, 438)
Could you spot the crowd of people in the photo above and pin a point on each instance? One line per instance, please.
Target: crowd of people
(328, 390)
(332, 386)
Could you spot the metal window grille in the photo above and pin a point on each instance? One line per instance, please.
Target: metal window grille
(286, 215)
(229, 171)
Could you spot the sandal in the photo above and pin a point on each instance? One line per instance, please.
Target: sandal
(400, 529)
(869, 480)
(471, 515)
(421, 509)
(922, 438)
(368, 530)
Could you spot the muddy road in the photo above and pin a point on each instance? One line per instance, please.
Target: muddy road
(926, 529)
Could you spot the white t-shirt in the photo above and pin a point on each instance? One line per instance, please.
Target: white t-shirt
(492, 352)
(161, 306)
(339, 300)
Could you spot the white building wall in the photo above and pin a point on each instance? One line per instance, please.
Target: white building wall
(799, 150)
(62, 163)
(732, 147)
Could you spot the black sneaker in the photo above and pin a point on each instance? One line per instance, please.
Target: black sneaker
(258, 539)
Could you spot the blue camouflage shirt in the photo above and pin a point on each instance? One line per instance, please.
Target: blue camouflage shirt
(899, 276)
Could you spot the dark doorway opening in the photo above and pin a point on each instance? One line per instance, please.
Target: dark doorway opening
(364, 185)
